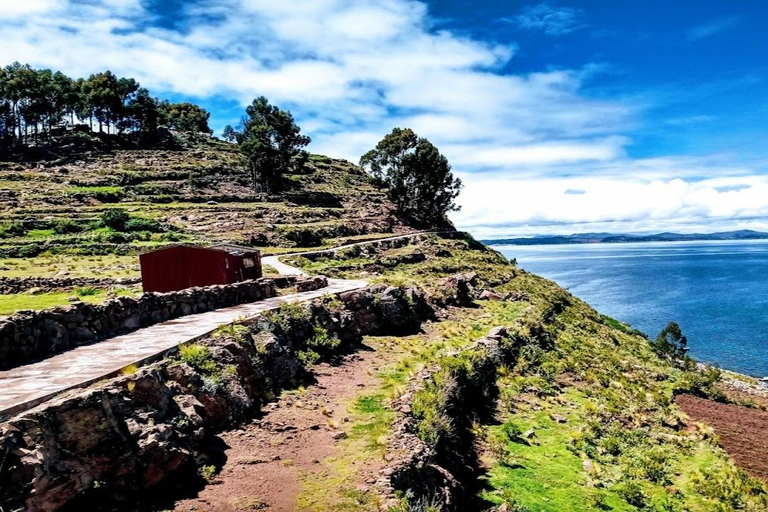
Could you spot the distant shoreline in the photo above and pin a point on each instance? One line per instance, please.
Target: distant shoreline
(611, 238)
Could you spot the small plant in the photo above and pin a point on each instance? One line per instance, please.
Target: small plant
(198, 357)
(632, 492)
(208, 472)
(86, 291)
(129, 370)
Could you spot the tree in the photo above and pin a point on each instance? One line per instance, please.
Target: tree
(104, 96)
(272, 144)
(185, 117)
(229, 134)
(671, 343)
(144, 111)
(418, 177)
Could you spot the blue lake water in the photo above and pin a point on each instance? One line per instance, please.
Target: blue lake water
(716, 291)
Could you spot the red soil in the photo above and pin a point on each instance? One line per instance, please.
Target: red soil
(266, 458)
(742, 431)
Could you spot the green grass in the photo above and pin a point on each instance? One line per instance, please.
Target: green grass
(70, 266)
(10, 304)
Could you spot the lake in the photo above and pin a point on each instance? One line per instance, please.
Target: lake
(717, 291)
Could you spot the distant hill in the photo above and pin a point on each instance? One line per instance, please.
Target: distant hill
(607, 238)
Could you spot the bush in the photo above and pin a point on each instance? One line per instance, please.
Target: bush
(115, 218)
(731, 488)
(11, 229)
(143, 224)
(632, 492)
(67, 226)
(702, 383)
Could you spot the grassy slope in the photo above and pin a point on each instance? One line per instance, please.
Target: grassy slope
(603, 378)
(50, 211)
(58, 202)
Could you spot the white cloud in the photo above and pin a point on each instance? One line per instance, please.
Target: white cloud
(553, 21)
(350, 70)
(711, 28)
(14, 9)
(501, 206)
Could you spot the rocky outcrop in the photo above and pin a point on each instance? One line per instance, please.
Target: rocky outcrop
(11, 285)
(30, 335)
(311, 284)
(380, 308)
(135, 436)
(458, 289)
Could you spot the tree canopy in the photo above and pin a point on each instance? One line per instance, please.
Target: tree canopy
(185, 117)
(418, 177)
(271, 142)
(37, 102)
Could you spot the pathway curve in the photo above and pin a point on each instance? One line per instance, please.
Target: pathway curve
(26, 386)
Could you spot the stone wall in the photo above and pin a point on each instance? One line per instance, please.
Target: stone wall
(11, 285)
(30, 335)
(137, 437)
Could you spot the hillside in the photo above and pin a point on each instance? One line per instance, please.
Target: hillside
(454, 381)
(199, 191)
(55, 218)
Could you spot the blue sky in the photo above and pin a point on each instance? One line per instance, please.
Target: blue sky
(560, 117)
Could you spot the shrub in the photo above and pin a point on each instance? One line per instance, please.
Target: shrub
(731, 488)
(115, 218)
(67, 226)
(632, 492)
(143, 224)
(198, 357)
(86, 291)
(702, 383)
(11, 229)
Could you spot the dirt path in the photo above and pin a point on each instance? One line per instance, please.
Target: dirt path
(741, 430)
(295, 436)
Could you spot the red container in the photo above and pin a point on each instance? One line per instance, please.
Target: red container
(178, 267)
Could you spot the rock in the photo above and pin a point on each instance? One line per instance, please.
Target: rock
(339, 435)
(489, 295)
(191, 407)
(529, 434)
(211, 202)
(312, 284)
(517, 297)
(498, 333)
(588, 465)
(558, 418)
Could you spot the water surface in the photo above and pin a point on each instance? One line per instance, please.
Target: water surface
(717, 291)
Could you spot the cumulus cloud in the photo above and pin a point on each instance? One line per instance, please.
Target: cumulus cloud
(535, 150)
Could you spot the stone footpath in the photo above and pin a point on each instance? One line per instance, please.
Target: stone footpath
(27, 386)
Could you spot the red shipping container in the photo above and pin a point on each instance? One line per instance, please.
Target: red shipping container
(178, 267)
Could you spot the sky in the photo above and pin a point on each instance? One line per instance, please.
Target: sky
(559, 116)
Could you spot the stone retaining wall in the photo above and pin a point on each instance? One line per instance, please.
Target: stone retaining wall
(31, 335)
(136, 436)
(11, 285)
